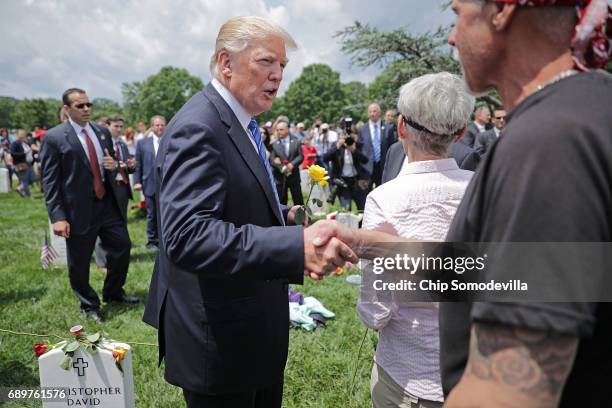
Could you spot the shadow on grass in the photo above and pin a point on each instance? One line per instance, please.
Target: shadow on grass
(114, 309)
(15, 373)
(17, 295)
(141, 256)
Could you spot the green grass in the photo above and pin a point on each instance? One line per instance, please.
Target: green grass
(319, 369)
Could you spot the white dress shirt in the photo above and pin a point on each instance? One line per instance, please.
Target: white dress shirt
(348, 170)
(96, 143)
(481, 128)
(244, 118)
(419, 203)
(380, 132)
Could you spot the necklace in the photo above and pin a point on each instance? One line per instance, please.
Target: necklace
(565, 74)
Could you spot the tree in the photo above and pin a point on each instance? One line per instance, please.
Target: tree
(405, 56)
(160, 94)
(103, 107)
(7, 107)
(316, 93)
(356, 97)
(36, 112)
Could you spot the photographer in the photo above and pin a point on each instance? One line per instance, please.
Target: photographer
(347, 175)
(325, 139)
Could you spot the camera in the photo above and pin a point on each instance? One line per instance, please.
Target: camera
(347, 126)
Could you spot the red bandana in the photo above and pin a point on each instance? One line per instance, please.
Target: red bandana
(592, 43)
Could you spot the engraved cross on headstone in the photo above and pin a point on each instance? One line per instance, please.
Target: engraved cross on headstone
(80, 365)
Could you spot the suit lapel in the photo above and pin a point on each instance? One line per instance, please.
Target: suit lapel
(241, 140)
(74, 141)
(279, 147)
(252, 159)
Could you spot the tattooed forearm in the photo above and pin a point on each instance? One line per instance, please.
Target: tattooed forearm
(533, 363)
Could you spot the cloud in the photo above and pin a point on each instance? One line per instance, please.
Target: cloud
(51, 45)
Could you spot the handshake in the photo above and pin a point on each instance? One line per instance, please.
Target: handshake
(327, 246)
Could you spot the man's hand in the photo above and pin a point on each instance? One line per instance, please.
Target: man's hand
(322, 259)
(291, 216)
(131, 163)
(61, 229)
(109, 163)
(340, 143)
(137, 186)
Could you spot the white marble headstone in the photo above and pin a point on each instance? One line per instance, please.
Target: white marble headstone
(4, 180)
(59, 244)
(321, 193)
(93, 381)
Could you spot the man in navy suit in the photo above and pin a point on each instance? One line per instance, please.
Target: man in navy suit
(375, 140)
(286, 157)
(121, 182)
(78, 171)
(144, 177)
(219, 290)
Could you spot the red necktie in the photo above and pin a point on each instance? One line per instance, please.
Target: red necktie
(95, 167)
(121, 169)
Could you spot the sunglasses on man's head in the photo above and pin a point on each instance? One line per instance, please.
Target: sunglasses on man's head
(82, 105)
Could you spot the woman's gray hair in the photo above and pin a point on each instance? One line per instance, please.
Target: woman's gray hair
(235, 35)
(438, 107)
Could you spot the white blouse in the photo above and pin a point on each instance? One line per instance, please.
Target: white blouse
(419, 204)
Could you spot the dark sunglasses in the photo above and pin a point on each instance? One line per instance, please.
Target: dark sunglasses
(500, 117)
(82, 105)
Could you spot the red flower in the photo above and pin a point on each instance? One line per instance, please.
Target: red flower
(40, 349)
(285, 161)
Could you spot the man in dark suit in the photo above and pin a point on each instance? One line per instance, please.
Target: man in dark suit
(78, 172)
(286, 157)
(482, 116)
(219, 290)
(485, 140)
(375, 142)
(121, 182)
(466, 158)
(144, 177)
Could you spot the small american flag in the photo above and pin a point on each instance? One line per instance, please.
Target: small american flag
(47, 253)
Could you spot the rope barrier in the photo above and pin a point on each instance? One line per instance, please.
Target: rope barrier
(63, 338)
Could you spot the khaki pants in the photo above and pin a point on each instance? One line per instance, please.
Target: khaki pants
(386, 393)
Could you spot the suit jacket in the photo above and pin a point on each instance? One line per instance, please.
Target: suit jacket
(145, 164)
(469, 137)
(484, 141)
(466, 158)
(295, 157)
(66, 178)
(219, 290)
(336, 157)
(365, 139)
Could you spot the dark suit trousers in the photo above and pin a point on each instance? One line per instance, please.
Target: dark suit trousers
(377, 174)
(123, 196)
(151, 220)
(112, 230)
(270, 397)
(284, 184)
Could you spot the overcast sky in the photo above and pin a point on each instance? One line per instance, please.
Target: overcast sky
(47, 46)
